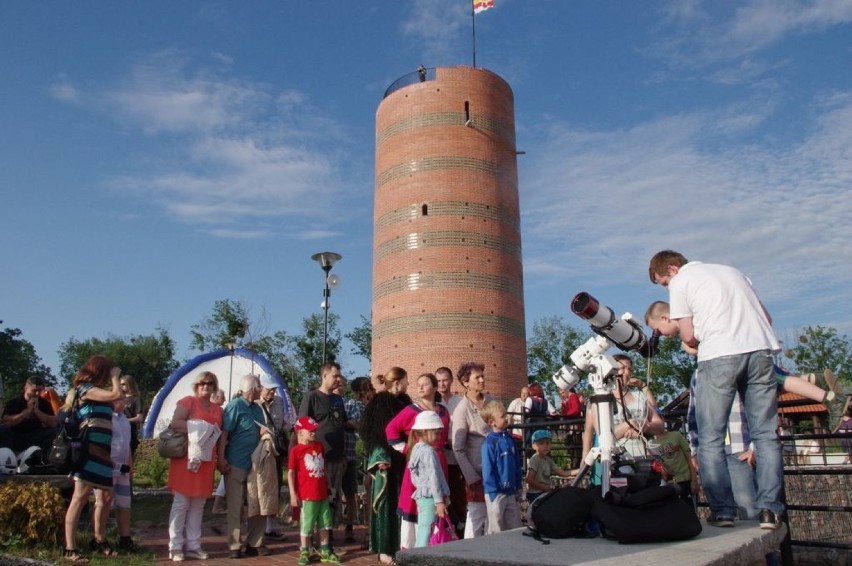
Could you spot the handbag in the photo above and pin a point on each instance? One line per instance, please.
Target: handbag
(172, 443)
(70, 446)
(442, 531)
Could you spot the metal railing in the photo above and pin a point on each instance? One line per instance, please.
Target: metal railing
(421, 75)
(817, 482)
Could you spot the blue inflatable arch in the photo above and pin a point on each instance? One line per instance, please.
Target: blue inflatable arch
(229, 368)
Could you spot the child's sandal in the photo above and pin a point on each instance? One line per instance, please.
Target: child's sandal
(74, 555)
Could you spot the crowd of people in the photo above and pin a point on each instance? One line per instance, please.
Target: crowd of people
(430, 452)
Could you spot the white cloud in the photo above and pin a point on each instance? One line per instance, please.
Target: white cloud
(695, 35)
(221, 149)
(64, 91)
(436, 26)
(762, 22)
(591, 200)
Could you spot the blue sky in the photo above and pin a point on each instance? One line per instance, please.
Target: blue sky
(159, 156)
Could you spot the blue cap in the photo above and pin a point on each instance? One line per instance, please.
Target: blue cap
(541, 435)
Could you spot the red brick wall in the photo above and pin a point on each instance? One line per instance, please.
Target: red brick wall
(448, 284)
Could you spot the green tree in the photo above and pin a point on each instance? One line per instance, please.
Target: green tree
(18, 361)
(227, 324)
(307, 348)
(362, 338)
(149, 359)
(668, 372)
(819, 348)
(230, 323)
(548, 348)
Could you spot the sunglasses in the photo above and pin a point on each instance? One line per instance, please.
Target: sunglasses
(207, 383)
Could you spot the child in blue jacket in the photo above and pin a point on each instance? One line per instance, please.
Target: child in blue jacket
(501, 471)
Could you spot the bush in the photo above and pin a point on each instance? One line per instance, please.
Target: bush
(31, 513)
(149, 468)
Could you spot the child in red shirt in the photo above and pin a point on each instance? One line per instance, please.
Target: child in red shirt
(309, 490)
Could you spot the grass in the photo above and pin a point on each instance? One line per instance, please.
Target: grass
(150, 510)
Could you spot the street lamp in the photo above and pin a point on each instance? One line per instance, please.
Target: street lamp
(231, 347)
(326, 260)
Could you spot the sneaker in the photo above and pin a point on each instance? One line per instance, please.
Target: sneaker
(198, 554)
(768, 519)
(720, 520)
(327, 556)
(831, 382)
(304, 557)
(176, 556)
(257, 551)
(235, 554)
(276, 535)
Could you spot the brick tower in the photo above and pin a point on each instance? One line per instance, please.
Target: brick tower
(447, 275)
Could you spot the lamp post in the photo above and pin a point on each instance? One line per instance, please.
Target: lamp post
(231, 347)
(326, 260)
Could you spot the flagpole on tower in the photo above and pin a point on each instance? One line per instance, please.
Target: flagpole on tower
(473, 19)
(477, 6)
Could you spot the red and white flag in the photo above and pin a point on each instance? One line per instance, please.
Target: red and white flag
(482, 5)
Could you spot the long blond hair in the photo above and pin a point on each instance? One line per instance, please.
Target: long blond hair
(416, 436)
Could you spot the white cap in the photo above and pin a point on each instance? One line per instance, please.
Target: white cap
(427, 420)
(267, 382)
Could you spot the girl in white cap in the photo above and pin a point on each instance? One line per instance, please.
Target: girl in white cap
(430, 486)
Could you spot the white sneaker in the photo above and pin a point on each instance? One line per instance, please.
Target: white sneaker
(198, 554)
(176, 556)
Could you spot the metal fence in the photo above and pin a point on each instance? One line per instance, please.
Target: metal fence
(817, 484)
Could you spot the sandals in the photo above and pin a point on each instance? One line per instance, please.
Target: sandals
(102, 547)
(74, 555)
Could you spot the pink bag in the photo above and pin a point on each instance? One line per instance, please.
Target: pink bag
(442, 531)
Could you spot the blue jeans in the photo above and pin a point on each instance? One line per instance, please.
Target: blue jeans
(752, 375)
(425, 518)
(744, 488)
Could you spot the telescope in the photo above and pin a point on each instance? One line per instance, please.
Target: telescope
(611, 331)
(602, 370)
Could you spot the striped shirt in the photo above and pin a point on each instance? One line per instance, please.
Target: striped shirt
(737, 440)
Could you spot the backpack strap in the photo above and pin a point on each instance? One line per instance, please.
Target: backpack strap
(73, 406)
(534, 534)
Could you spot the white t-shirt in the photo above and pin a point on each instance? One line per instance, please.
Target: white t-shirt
(120, 445)
(726, 313)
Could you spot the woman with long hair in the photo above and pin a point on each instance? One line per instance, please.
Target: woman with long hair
(384, 464)
(191, 482)
(132, 409)
(468, 434)
(398, 432)
(92, 402)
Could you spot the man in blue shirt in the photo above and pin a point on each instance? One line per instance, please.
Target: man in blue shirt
(240, 436)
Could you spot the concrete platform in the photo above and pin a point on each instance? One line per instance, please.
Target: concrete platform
(741, 545)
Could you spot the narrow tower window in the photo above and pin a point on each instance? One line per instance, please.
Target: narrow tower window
(425, 210)
(466, 112)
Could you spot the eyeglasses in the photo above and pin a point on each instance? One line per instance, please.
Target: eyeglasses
(207, 383)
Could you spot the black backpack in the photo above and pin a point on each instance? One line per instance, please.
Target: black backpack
(563, 512)
(653, 514)
(68, 451)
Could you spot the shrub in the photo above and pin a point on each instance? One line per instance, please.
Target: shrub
(31, 513)
(149, 468)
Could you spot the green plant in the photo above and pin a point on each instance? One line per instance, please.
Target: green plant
(149, 468)
(31, 513)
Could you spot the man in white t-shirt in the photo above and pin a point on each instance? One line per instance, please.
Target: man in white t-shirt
(718, 312)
